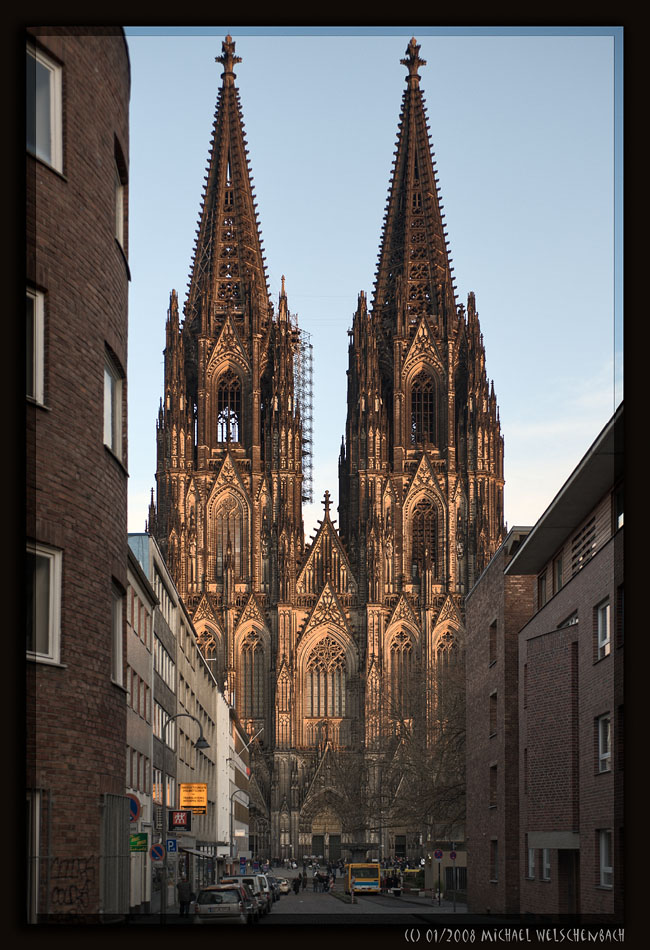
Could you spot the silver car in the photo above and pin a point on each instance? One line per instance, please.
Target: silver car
(222, 904)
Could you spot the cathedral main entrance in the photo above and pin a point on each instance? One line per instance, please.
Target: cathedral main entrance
(326, 836)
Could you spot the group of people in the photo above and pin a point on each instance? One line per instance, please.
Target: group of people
(321, 880)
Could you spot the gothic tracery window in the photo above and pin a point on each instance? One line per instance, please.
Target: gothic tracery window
(424, 536)
(229, 407)
(252, 677)
(326, 679)
(229, 524)
(401, 659)
(423, 409)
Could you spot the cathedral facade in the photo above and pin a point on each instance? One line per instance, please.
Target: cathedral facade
(337, 655)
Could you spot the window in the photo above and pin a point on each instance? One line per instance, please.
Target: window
(229, 408)
(44, 112)
(112, 407)
(117, 604)
(43, 603)
(494, 860)
(557, 574)
(604, 740)
(400, 674)
(424, 537)
(253, 674)
(493, 714)
(619, 509)
(492, 656)
(541, 590)
(423, 409)
(493, 786)
(119, 205)
(35, 346)
(326, 671)
(606, 866)
(531, 863)
(603, 641)
(546, 864)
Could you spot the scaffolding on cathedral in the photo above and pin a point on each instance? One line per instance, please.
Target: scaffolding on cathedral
(304, 382)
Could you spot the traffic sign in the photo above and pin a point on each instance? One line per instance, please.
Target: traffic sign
(134, 807)
(452, 855)
(437, 854)
(171, 845)
(157, 852)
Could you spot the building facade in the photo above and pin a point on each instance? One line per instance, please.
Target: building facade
(78, 87)
(333, 652)
(496, 609)
(545, 807)
(185, 702)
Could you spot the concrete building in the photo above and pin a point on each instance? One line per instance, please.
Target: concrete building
(186, 702)
(78, 87)
(545, 808)
(141, 602)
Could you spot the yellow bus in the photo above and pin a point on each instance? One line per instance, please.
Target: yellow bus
(367, 878)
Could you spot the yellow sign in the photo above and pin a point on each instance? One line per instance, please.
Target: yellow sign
(194, 796)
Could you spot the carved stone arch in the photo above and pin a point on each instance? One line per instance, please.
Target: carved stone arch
(425, 531)
(425, 406)
(229, 519)
(323, 802)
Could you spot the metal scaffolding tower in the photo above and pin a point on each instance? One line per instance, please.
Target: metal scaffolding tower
(304, 385)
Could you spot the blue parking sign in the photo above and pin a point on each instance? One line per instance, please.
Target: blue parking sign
(171, 845)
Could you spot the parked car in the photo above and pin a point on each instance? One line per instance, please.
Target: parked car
(267, 890)
(223, 904)
(258, 885)
(275, 886)
(285, 887)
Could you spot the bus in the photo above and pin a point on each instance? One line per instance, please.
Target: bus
(367, 878)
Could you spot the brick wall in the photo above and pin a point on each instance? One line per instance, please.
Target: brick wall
(76, 488)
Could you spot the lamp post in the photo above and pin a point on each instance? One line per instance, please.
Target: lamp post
(201, 743)
(230, 759)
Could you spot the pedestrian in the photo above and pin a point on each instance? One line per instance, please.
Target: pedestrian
(315, 881)
(184, 896)
(304, 880)
(296, 885)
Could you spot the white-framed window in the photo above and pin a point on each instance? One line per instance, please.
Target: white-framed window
(606, 859)
(604, 730)
(603, 631)
(35, 345)
(119, 205)
(531, 862)
(113, 385)
(117, 650)
(44, 108)
(44, 571)
(546, 864)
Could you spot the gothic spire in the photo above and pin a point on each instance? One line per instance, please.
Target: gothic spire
(228, 270)
(414, 273)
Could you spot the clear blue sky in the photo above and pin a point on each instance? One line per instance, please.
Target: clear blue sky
(525, 131)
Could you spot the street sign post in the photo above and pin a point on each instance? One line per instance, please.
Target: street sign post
(438, 856)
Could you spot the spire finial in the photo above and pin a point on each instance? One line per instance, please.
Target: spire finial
(413, 61)
(326, 502)
(228, 60)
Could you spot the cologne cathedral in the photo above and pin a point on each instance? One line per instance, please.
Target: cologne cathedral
(334, 653)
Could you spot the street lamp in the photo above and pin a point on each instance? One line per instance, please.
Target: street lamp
(201, 743)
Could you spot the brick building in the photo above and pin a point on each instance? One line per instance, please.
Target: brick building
(562, 788)
(78, 87)
(496, 609)
(334, 651)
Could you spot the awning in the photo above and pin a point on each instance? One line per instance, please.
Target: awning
(199, 854)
